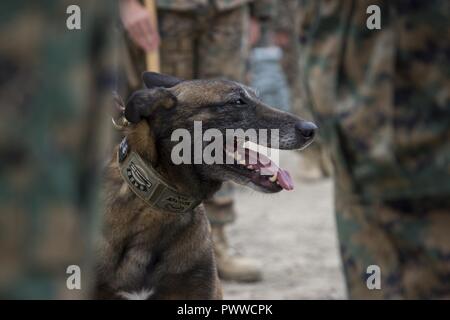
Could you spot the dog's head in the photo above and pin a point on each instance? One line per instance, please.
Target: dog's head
(168, 104)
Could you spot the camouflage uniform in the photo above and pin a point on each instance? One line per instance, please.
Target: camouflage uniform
(204, 38)
(381, 99)
(315, 158)
(52, 85)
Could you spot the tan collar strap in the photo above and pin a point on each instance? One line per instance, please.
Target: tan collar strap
(147, 184)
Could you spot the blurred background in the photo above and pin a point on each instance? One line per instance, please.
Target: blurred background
(293, 235)
(373, 189)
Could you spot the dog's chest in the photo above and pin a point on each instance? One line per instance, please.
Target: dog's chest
(148, 259)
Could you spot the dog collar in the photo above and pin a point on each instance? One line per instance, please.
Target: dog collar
(148, 184)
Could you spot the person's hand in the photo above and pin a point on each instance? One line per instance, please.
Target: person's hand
(136, 20)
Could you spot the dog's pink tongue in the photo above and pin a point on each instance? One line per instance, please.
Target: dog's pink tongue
(268, 167)
(283, 177)
(285, 180)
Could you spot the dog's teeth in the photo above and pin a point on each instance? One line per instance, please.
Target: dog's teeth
(273, 178)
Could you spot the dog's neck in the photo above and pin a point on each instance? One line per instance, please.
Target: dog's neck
(149, 185)
(184, 178)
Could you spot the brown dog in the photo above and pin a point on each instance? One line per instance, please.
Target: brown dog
(155, 241)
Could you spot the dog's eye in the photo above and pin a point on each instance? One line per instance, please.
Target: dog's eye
(239, 102)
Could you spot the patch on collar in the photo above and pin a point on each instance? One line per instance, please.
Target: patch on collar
(137, 177)
(147, 184)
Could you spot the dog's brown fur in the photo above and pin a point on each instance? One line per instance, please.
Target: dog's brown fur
(161, 254)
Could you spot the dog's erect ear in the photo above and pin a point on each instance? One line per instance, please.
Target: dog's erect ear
(154, 79)
(142, 103)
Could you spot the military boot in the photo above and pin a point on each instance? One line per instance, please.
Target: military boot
(220, 211)
(232, 267)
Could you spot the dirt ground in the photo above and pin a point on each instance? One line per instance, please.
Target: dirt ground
(292, 234)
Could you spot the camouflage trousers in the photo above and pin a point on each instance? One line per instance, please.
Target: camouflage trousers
(209, 44)
(408, 239)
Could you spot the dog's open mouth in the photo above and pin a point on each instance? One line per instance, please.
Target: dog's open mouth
(258, 168)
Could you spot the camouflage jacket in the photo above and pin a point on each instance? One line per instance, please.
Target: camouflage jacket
(382, 97)
(260, 8)
(53, 139)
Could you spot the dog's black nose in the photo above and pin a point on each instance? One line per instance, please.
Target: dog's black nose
(307, 129)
